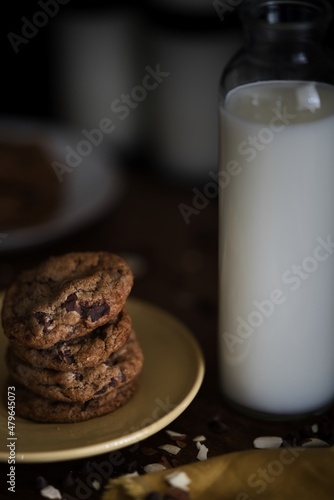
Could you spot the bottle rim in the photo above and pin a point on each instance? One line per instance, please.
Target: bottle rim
(253, 11)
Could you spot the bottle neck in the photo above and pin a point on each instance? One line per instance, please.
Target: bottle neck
(283, 41)
(256, 36)
(284, 22)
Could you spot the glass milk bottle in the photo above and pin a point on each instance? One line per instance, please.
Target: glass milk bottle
(276, 249)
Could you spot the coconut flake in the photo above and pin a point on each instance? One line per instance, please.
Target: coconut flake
(155, 467)
(174, 434)
(199, 439)
(170, 448)
(314, 443)
(50, 492)
(178, 480)
(203, 451)
(267, 442)
(131, 474)
(96, 485)
(315, 428)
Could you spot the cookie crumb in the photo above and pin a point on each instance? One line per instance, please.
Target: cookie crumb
(148, 451)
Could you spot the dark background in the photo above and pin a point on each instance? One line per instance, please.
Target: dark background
(30, 79)
(179, 262)
(26, 76)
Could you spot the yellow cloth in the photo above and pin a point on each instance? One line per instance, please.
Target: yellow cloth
(281, 474)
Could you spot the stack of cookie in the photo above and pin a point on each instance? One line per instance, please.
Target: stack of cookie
(72, 351)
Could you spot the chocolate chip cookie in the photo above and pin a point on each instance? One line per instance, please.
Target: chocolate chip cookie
(82, 352)
(80, 386)
(65, 297)
(34, 407)
(30, 193)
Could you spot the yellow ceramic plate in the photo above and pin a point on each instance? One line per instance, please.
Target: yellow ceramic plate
(172, 375)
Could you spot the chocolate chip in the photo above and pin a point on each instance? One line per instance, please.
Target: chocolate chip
(41, 482)
(102, 391)
(85, 405)
(69, 480)
(148, 451)
(78, 376)
(216, 425)
(114, 382)
(306, 432)
(40, 316)
(112, 360)
(71, 304)
(176, 494)
(181, 444)
(96, 312)
(153, 495)
(43, 319)
(290, 440)
(164, 461)
(66, 356)
(100, 333)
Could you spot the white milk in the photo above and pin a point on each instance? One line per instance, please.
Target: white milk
(277, 247)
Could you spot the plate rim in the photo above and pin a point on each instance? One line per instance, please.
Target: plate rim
(139, 434)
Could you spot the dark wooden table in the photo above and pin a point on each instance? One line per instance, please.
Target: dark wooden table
(177, 269)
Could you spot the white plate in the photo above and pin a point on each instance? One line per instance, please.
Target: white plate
(172, 375)
(86, 191)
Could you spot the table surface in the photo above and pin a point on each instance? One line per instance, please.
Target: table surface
(176, 266)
